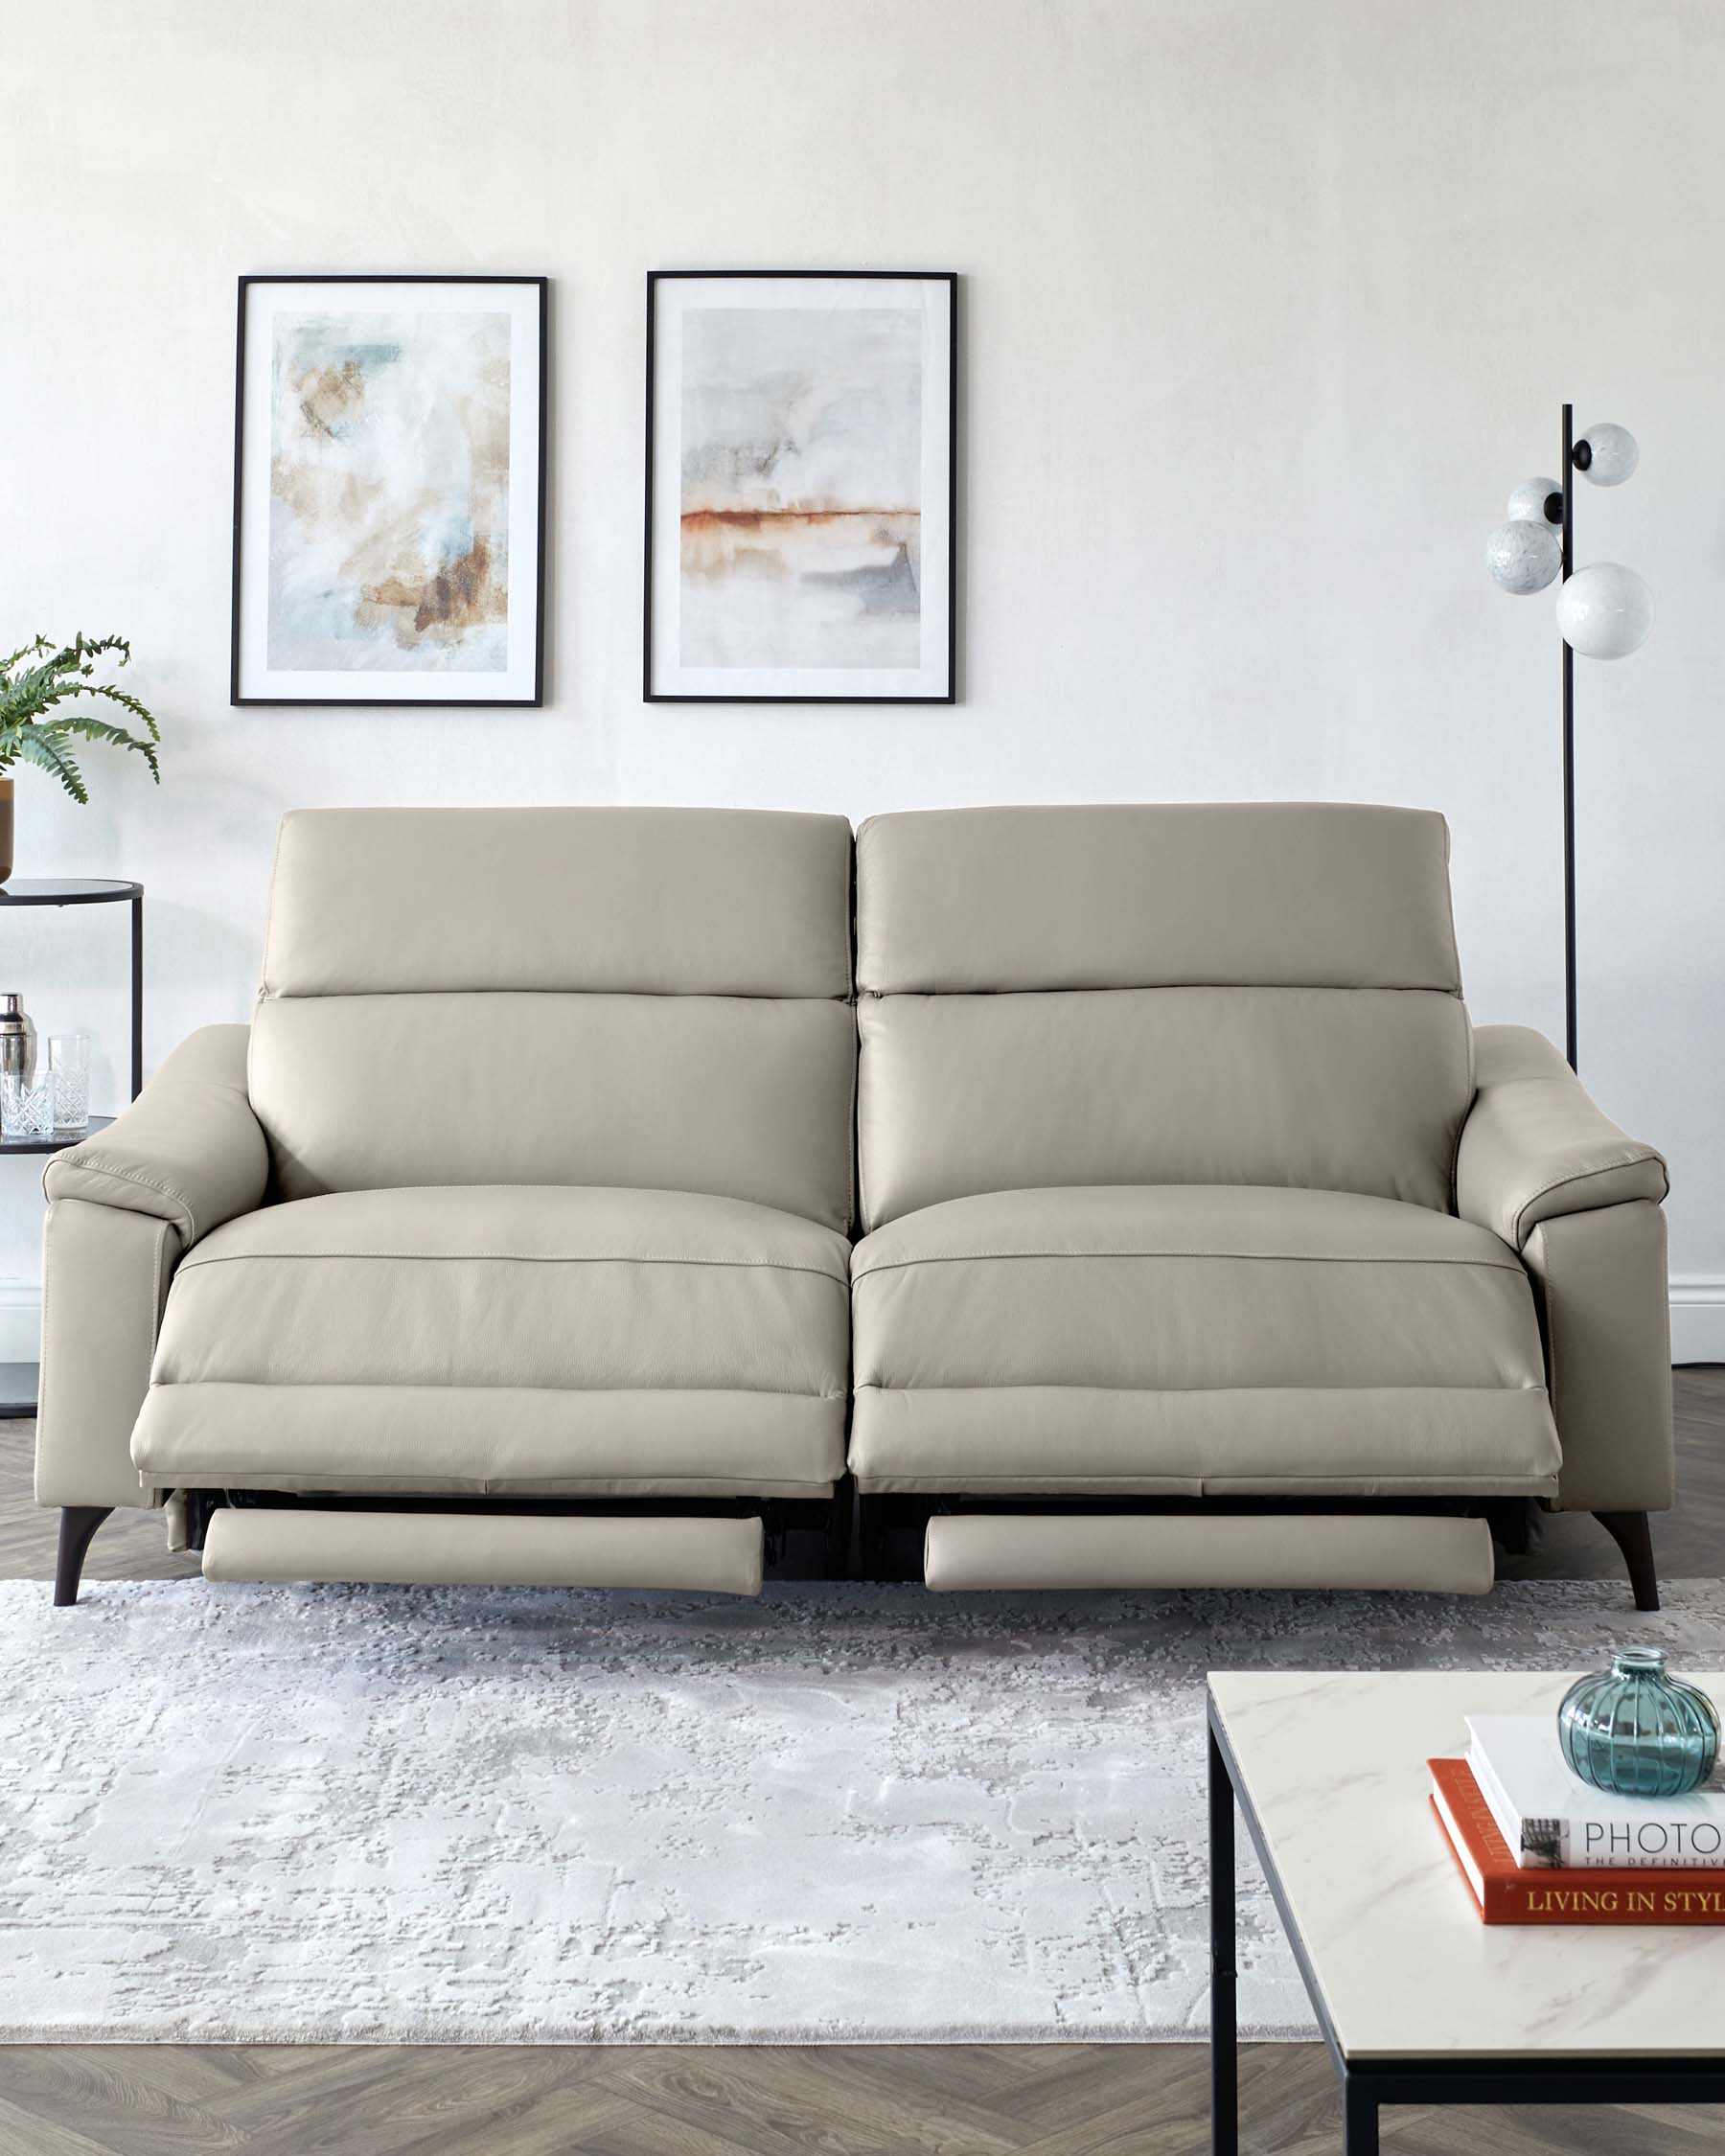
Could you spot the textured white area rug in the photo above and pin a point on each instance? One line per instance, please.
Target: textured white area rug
(857, 1814)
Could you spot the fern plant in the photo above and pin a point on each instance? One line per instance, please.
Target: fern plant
(38, 680)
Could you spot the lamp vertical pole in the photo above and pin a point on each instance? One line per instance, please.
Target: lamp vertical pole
(1567, 484)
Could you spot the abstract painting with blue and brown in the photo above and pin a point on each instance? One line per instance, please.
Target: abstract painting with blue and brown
(389, 491)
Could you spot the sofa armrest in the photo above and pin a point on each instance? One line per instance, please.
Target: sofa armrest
(188, 1151)
(105, 1276)
(1534, 1146)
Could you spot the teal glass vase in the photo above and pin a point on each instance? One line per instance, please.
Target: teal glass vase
(1636, 1731)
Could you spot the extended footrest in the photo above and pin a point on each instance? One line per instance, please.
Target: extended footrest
(711, 1556)
(1314, 1549)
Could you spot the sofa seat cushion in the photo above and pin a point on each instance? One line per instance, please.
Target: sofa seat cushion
(510, 1338)
(1196, 1341)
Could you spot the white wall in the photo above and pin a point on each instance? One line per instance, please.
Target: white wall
(1267, 304)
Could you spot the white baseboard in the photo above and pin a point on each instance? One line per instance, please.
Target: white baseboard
(21, 1321)
(1697, 1318)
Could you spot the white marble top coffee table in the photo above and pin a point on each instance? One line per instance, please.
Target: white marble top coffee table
(1418, 2001)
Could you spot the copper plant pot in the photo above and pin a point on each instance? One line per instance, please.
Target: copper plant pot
(6, 828)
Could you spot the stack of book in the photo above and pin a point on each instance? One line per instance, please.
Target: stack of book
(1537, 1845)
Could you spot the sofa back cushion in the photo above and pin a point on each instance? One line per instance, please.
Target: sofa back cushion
(1261, 993)
(652, 998)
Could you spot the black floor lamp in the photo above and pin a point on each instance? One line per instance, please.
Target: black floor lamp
(1603, 611)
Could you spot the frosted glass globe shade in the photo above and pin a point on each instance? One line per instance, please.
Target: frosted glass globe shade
(1529, 504)
(1605, 611)
(1611, 454)
(1523, 556)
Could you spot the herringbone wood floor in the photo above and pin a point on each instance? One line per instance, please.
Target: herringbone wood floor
(1076, 2100)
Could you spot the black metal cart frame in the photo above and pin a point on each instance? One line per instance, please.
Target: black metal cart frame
(1368, 2084)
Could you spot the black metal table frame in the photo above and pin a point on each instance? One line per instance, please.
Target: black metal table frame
(17, 1390)
(95, 891)
(1370, 2083)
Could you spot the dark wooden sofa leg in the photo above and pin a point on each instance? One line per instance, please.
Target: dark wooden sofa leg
(1633, 1536)
(79, 1523)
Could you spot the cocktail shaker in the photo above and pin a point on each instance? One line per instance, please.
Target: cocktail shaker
(18, 1037)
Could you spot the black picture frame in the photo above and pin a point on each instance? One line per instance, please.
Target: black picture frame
(541, 418)
(946, 277)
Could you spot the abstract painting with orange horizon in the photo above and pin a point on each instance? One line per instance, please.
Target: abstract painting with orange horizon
(388, 554)
(810, 426)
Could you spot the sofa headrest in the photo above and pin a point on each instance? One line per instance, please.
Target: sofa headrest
(653, 901)
(1261, 894)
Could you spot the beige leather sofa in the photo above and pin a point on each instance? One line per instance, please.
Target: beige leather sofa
(1201, 1239)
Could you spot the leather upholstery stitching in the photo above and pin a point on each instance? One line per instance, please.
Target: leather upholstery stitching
(1449, 902)
(1638, 1157)
(652, 1190)
(269, 925)
(887, 1482)
(1473, 1093)
(1171, 987)
(512, 1485)
(1252, 1258)
(486, 1384)
(514, 1257)
(154, 1331)
(853, 1164)
(95, 1164)
(155, 1287)
(1550, 1323)
(1180, 1391)
(1217, 1481)
(48, 1362)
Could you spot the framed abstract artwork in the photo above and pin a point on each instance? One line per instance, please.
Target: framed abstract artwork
(801, 460)
(389, 491)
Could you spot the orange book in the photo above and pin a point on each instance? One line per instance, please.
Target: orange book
(1507, 1892)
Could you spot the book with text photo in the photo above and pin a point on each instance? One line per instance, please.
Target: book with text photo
(1507, 1892)
(1551, 1818)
